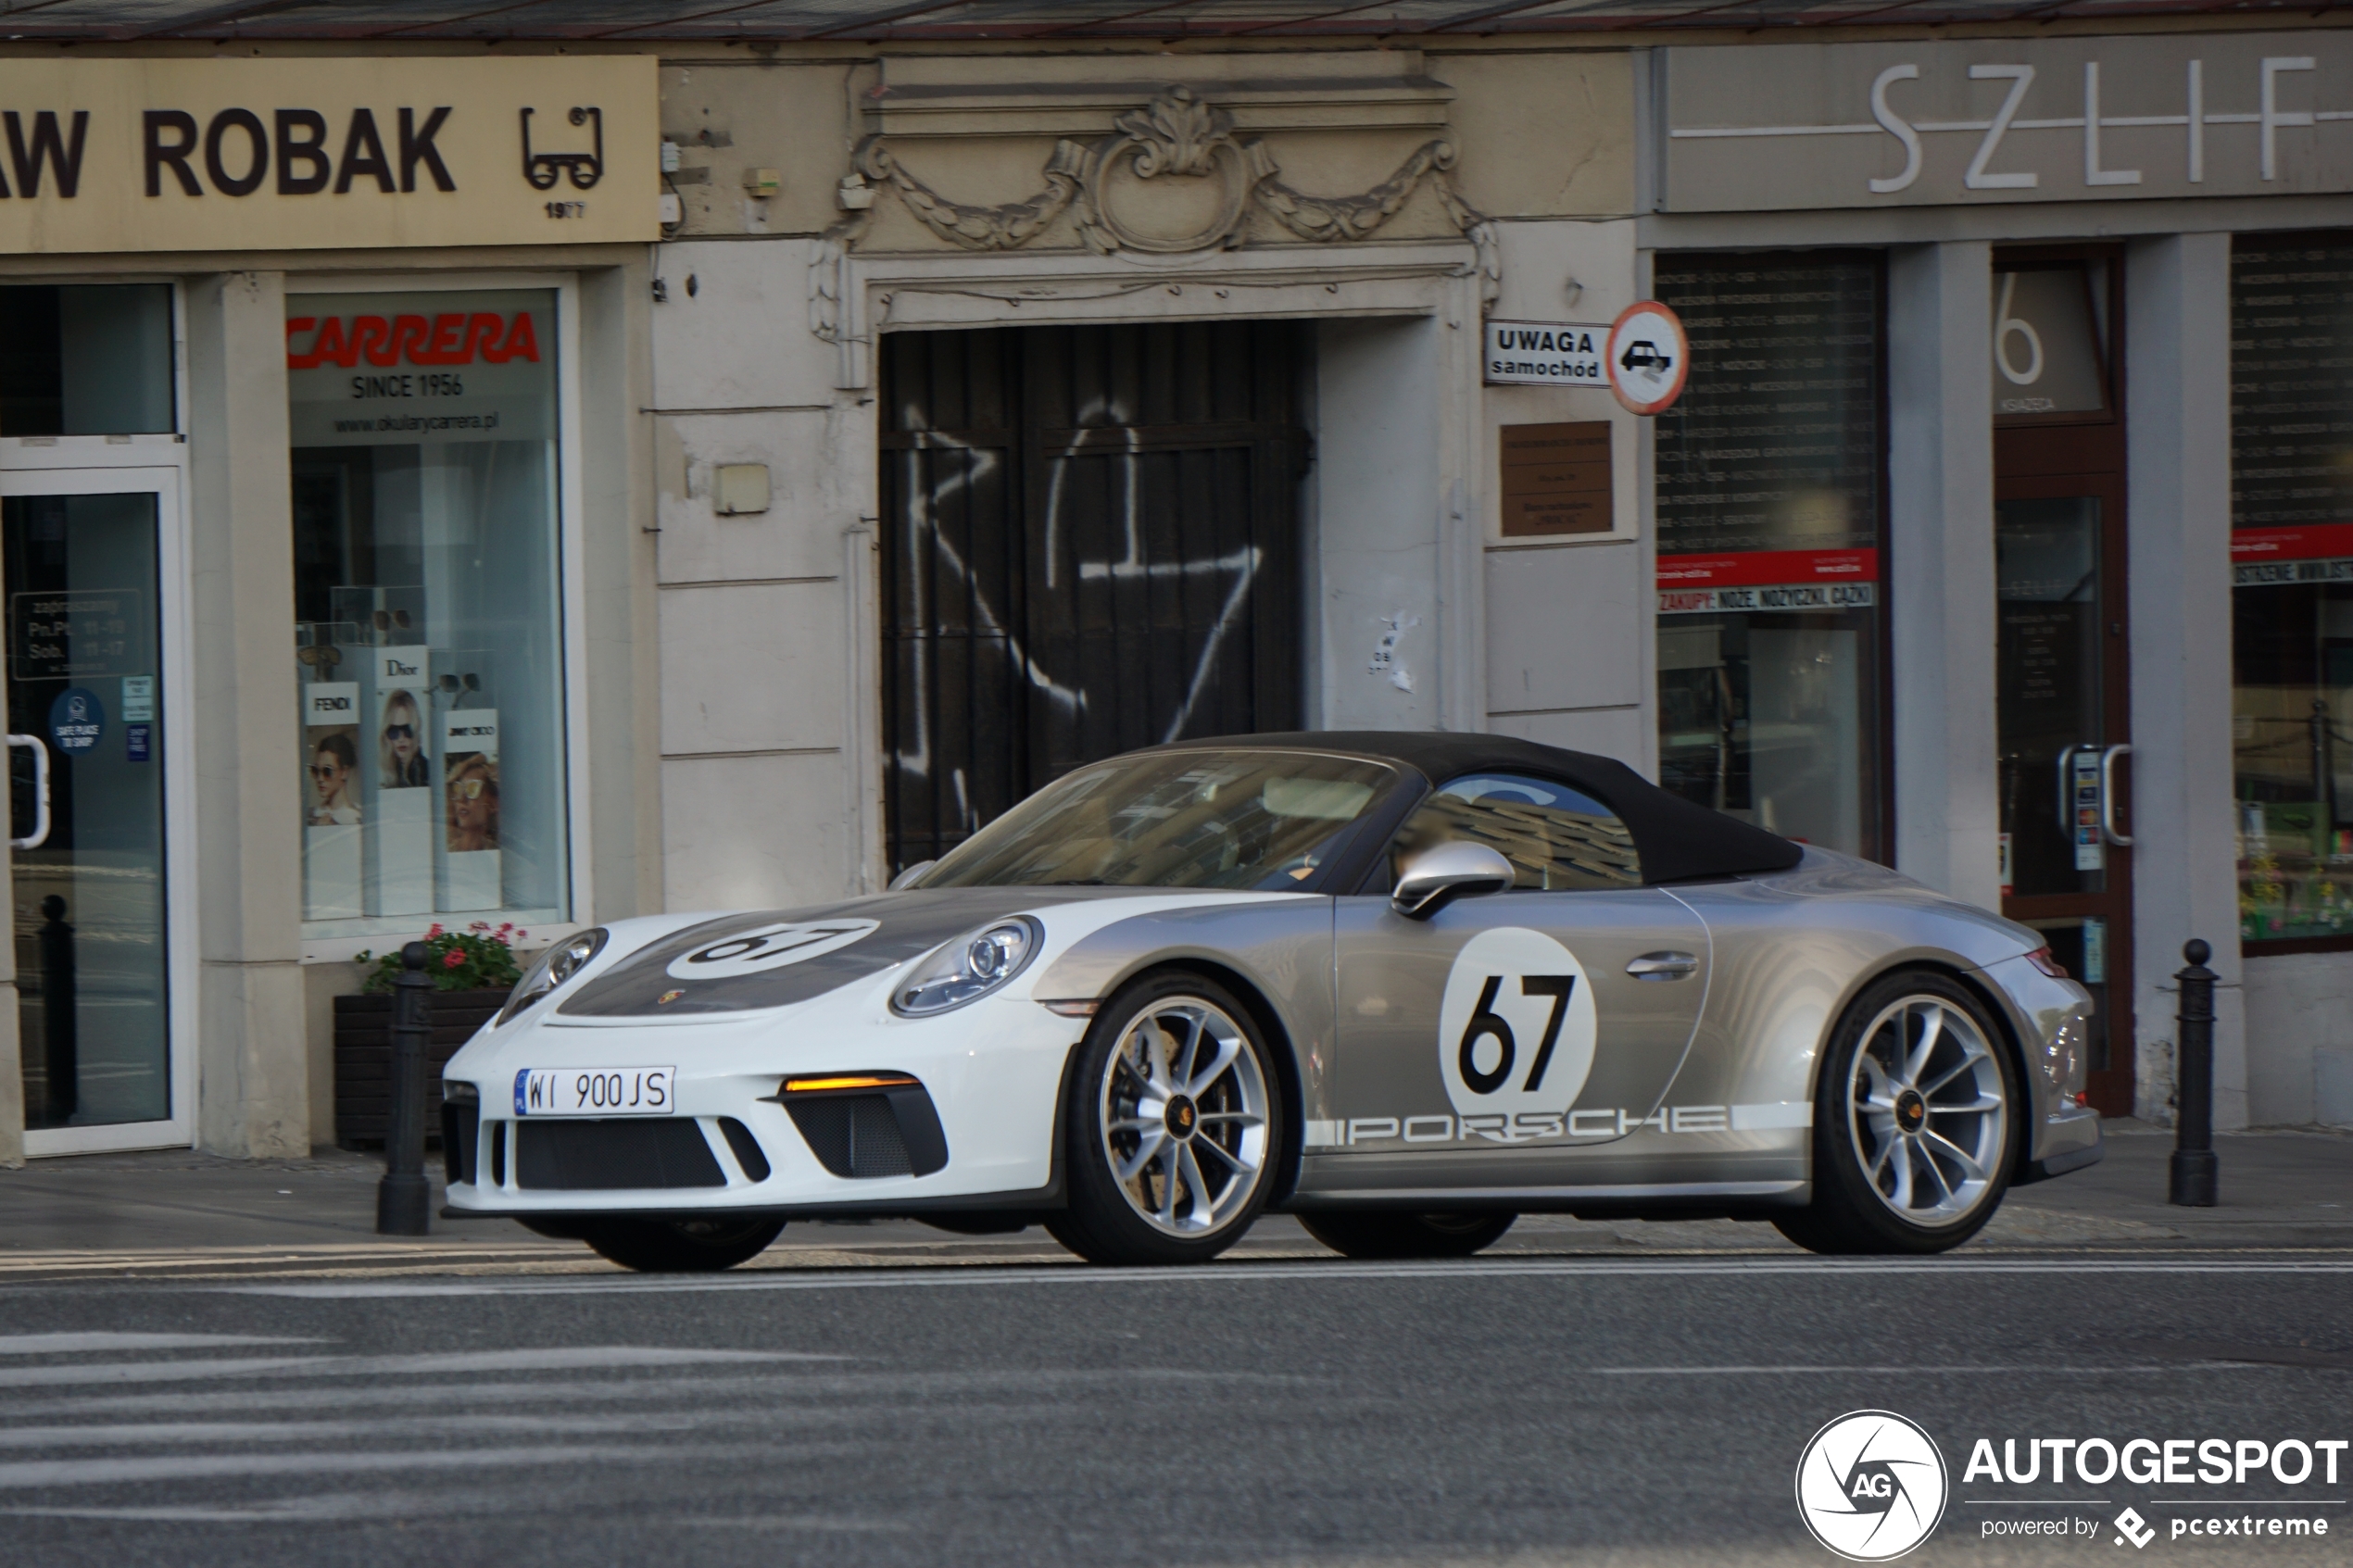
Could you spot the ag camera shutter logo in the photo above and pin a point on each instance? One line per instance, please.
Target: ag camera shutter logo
(1871, 1486)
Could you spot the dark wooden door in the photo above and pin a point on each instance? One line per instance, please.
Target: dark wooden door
(1090, 544)
(2062, 631)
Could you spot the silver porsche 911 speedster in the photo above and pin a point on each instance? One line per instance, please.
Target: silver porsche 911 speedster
(1404, 986)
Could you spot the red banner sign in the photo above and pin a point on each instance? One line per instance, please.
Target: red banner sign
(2321, 542)
(1755, 568)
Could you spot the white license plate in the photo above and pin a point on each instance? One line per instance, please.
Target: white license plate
(594, 1091)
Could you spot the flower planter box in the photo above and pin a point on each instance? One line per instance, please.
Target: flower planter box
(363, 1059)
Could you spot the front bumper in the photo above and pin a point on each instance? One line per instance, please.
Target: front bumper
(975, 1131)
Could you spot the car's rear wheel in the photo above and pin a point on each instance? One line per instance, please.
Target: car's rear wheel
(1174, 1126)
(673, 1246)
(1916, 1118)
(1406, 1235)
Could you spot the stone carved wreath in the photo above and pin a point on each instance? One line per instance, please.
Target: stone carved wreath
(1176, 135)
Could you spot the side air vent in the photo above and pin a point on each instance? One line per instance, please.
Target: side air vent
(861, 1134)
(460, 1121)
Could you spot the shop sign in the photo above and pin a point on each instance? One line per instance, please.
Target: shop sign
(422, 367)
(2262, 557)
(1765, 128)
(243, 155)
(1768, 579)
(1546, 354)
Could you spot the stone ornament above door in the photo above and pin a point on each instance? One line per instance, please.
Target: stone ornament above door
(1125, 192)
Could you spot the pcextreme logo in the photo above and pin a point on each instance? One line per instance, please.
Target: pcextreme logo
(1871, 1486)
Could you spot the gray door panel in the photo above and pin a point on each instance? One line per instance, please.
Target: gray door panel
(1419, 1070)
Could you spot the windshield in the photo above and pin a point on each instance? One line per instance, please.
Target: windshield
(1261, 819)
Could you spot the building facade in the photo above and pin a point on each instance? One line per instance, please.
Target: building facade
(715, 472)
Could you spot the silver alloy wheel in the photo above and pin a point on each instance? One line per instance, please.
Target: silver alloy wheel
(1184, 1116)
(1930, 1110)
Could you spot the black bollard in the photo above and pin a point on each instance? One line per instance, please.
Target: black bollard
(2195, 1167)
(404, 1201)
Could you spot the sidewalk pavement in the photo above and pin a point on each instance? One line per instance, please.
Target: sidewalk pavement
(179, 1214)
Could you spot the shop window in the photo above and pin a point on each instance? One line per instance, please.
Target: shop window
(1770, 485)
(427, 616)
(2292, 602)
(85, 360)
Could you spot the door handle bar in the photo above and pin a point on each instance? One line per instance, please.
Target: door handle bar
(40, 835)
(2067, 792)
(2107, 796)
(1664, 966)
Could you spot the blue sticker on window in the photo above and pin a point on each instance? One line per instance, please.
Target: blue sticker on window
(76, 720)
(136, 742)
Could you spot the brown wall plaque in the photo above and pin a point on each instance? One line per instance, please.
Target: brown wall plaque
(1556, 479)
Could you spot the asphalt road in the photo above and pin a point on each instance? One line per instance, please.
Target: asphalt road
(1508, 1410)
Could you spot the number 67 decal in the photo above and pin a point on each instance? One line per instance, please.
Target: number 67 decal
(1486, 1022)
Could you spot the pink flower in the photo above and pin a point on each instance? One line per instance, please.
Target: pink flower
(479, 925)
(452, 958)
(434, 930)
(520, 934)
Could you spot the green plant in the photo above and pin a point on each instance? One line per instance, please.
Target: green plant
(477, 959)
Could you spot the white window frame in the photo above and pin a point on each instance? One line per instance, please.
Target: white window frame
(571, 582)
(101, 465)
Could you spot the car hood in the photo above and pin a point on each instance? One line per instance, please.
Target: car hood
(755, 960)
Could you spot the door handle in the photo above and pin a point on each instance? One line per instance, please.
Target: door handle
(40, 835)
(1664, 966)
(2107, 796)
(2067, 790)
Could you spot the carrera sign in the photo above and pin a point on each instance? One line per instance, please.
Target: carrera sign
(164, 155)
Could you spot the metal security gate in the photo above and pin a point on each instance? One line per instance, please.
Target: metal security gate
(1090, 544)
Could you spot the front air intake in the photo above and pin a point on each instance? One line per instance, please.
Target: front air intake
(861, 1133)
(615, 1154)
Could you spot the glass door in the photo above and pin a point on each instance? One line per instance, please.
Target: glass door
(87, 564)
(2065, 747)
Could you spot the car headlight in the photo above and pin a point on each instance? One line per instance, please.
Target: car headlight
(969, 967)
(556, 965)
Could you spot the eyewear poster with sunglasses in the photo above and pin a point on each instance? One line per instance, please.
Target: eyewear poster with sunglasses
(401, 814)
(331, 810)
(470, 866)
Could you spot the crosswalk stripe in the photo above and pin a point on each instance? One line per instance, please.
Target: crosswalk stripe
(79, 1344)
(24, 1475)
(567, 1359)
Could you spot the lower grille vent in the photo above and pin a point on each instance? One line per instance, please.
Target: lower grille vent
(597, 1155)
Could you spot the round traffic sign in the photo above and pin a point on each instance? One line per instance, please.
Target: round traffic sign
(1648, 357)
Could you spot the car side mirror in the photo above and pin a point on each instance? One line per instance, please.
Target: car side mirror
(1436, 877)
(909, 874)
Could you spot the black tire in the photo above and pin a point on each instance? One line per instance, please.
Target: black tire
(1103, 1223)
(681, 1247)
(1406, 1235)
(1925, 1176)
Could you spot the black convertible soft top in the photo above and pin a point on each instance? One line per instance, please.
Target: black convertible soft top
(1679, 841)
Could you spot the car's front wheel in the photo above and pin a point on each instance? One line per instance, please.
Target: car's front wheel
(1915, 1116)
(1173, 1131)
(1407, 1236)
(672, 1246)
